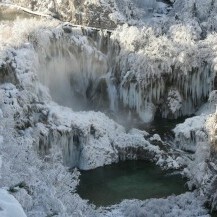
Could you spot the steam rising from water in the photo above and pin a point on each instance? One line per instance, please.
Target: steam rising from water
(84, 71)
(73, 69)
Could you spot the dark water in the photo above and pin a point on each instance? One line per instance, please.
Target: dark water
(128, 180)
(161, 126)
(214, 214)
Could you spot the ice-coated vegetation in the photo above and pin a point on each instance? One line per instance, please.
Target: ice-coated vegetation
(158, 72)
(169, 207)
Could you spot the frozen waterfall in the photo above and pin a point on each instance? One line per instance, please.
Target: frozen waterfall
(74, 66)
(88, 68)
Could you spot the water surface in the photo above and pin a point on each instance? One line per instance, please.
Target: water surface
(128, 180)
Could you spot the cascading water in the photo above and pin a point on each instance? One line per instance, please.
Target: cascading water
(87, 69)
(83, 70)
(74, 68)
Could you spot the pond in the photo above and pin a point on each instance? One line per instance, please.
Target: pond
(128, 180)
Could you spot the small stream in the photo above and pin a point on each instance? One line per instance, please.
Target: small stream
(128, 180)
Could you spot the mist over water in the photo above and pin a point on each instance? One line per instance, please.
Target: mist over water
(72, 72)
(79, 77)
(58, 75)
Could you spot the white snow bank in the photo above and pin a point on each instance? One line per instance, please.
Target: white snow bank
(9, 206)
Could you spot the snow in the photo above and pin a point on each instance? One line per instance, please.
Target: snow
(174, 100)
(187, 204)
(211, 128)
(155, 137)
(146, 54)
(9, 206)
(191, 132)
(45, 192)
(90, 139)
(166, 64)
(198, 170)
(16, 33)
(40, 127)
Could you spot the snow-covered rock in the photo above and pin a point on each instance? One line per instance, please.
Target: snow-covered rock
(9, 206)
(90, 139)
(190, 133)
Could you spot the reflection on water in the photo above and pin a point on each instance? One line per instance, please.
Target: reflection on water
(128, 180)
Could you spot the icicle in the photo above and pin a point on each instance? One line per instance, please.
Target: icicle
(112, 93)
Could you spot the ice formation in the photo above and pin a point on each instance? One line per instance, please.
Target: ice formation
(153, 81)
(84, 65)
(170, 75)
(30, 119)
